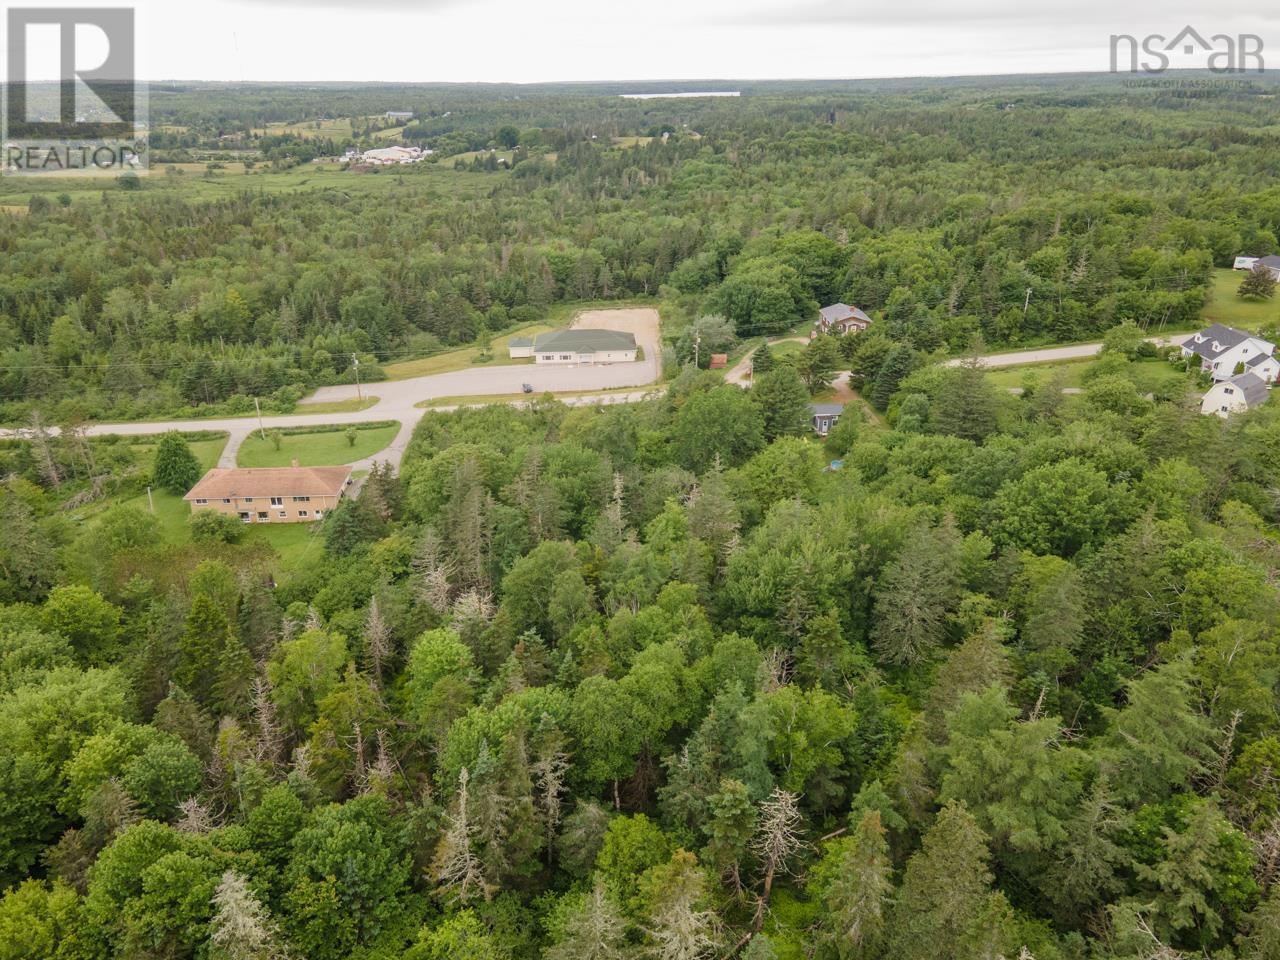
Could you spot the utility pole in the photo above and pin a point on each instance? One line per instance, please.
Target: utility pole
(355, 362)
(697, 344)
(1027, 302)
(262, 431)
(150, 502)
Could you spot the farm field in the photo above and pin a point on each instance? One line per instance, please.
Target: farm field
(314, 448)
(424, 181)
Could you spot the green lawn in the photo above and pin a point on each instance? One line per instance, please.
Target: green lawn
(1225, 307)
(295, 543)
(314, 449)
(170, 509)
(206, 451)
(337, 406)
(788, 348)
(1147, 374)
(1007, 377)
(558, 315)
(464, 358)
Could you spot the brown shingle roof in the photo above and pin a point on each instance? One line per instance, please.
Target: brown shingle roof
(223, 482)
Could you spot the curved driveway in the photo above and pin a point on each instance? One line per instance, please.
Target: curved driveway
(397, 399)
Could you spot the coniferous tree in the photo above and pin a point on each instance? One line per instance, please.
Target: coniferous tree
(730, 831)
(915, 594)
(680, 927)
(1258, 284)
(854, 883)
(965, 404)
(897, 364)
(176, 468)
(783, 399)
(595, 930)
(945, 902)
(200, 650)
(241, 928)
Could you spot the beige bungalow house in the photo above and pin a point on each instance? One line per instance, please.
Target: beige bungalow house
(271, 494)
(584, 346)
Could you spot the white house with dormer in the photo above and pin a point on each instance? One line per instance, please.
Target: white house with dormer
(1225, 351)
(1243, 392)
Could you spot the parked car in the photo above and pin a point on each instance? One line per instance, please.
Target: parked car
(527, 387)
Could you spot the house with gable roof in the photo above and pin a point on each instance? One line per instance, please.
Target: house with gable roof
(1246, 391)
(1225, 351)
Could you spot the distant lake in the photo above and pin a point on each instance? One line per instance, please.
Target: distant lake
(702, 93)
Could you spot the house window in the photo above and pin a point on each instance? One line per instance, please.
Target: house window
(226, 499)
(262, 516)
(277, 501)
(319, 514)
(201, 501)
(247, 518)
(1228, 390)
(284, 515)
(566, 356)
(301, 499)
(248, 499)
(302, 513)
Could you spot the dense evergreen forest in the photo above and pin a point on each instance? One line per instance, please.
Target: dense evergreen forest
(1032, 211)
(976, 676)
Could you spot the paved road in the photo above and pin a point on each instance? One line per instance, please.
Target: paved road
(397, 398)
(1076, 351)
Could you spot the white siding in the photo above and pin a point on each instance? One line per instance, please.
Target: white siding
(1223, 400)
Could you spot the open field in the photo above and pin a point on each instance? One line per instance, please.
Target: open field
(314, 449)
(1225, 307)
(421, 181)
(465, 357)
(324, 127)
(472, 154)
(170, 509)
(338, 406)
(581, 313)
(1147, 374)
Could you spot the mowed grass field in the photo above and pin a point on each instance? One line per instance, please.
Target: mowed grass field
(317, 449)
(425, 180)
(1149, 375)
(558, 315)
(170, 509)
(1226, 307)
(463, 358)
(293, 543)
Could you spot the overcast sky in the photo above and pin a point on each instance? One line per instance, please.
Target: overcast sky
(501, 40)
